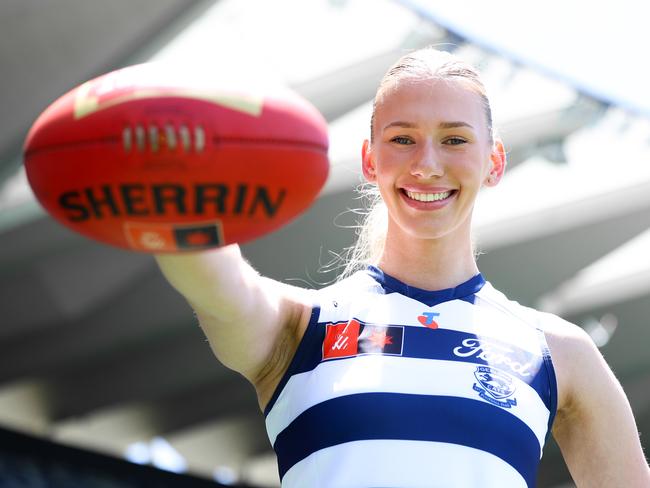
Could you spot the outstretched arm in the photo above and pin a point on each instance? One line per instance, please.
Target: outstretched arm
(253, 323)
(595, 427)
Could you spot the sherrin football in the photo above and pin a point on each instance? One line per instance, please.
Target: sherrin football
(154, 160)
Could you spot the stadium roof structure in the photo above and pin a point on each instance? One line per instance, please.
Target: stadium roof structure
(97, 351)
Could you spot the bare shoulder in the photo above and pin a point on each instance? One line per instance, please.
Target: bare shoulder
(594, 426)
(562, 334)
(566, 341)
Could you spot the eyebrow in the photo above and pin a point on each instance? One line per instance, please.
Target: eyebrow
(453, 125)
(441, 125)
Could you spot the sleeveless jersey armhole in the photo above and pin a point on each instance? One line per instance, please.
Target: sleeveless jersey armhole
(552, 381)
(309, 340)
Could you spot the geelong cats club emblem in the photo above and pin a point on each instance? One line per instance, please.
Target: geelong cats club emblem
(495, 386)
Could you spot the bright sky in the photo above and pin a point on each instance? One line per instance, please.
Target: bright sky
(293, 40)
(600, 46)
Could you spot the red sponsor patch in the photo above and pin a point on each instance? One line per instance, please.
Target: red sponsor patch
(341, 339)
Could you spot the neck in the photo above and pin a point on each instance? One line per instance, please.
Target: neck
(430, 264)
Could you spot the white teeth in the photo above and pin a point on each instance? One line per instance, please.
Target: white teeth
(427, 197)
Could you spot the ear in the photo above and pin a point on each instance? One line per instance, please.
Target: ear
(498, 167)
(367, 162)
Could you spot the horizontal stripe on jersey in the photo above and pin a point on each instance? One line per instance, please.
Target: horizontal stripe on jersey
(440, 344)
(395, 375)
(410, 417)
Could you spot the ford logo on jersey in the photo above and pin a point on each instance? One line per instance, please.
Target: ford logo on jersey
(495, 386)
(492, 353)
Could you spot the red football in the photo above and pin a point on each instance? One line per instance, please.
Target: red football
(159, 161)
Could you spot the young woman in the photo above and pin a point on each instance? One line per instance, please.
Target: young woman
(413, 371)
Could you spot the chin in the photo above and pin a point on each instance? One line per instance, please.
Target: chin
(431, 228)
(425, 232)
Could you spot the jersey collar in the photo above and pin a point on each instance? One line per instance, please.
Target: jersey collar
(465, 291)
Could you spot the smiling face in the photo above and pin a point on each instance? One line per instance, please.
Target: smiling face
(431, 153)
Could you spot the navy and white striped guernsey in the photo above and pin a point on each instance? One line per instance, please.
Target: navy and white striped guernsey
(394, 386)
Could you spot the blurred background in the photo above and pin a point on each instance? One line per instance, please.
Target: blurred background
(101, 361)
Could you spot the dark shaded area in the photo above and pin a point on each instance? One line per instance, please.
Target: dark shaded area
(28, 462)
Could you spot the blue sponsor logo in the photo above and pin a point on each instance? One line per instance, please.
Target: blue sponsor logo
(495, 386)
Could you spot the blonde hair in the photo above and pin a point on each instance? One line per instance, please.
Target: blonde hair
(425, 63)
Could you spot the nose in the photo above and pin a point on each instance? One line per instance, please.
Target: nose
(426, 163)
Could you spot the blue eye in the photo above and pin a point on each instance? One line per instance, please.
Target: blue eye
(454, 141)
(401, 140)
